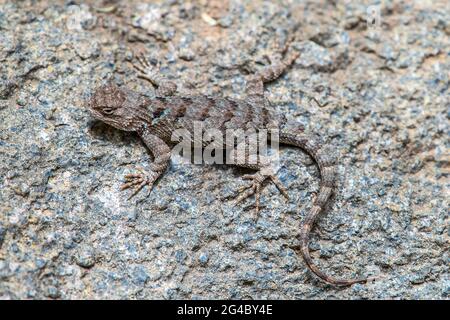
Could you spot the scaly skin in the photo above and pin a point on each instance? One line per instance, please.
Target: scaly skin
(156, 119)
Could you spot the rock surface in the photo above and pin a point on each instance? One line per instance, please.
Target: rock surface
(377, 92)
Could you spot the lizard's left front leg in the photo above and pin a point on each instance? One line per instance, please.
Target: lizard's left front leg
(161, 153)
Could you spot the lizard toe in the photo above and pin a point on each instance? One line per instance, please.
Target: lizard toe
(137, 181)
(255, 187)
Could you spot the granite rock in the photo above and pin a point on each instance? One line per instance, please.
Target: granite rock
(378, 93)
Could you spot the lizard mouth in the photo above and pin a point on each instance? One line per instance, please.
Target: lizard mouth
(89, 106)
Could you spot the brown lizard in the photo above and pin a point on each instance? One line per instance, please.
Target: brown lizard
(155, 119)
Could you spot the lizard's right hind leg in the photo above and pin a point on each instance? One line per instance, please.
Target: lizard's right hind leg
(255, 84)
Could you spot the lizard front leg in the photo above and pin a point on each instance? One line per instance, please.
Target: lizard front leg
(161, 153)
(150, 73)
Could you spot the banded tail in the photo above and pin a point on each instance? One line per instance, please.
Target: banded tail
(327, 172)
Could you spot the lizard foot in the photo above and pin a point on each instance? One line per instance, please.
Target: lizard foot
(255, 187)
(144, 67)
(152, 74)
(137, 181)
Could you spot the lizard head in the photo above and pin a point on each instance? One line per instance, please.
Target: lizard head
(117, 107)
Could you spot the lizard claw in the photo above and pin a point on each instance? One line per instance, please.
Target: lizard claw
(151, 73)
(137, 181)
(256, 185)
(247, 191)
(144, 61)
(143, 66)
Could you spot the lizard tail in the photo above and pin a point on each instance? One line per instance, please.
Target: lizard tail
(327, 172)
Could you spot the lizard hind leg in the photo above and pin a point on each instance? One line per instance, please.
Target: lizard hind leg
(255, 187)
(255, 84)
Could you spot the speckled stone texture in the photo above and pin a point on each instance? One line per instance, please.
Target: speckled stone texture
(377, 93)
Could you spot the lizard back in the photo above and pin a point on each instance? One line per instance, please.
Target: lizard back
(213, 113)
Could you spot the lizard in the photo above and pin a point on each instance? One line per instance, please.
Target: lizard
(155, 119)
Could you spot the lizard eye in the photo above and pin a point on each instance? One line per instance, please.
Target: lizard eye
(108, 111)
